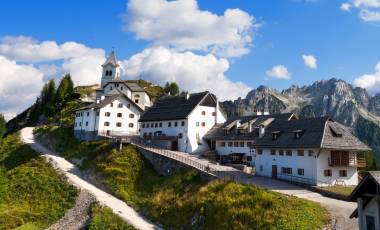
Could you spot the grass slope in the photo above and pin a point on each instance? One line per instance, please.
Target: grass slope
(185, 200)
(102, 218)
(32, 194)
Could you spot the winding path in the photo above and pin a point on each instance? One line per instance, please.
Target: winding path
(73, 174)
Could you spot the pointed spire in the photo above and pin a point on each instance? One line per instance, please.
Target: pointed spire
(111, 60)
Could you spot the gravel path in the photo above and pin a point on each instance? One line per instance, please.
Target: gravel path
(74, 176)
(78, 216)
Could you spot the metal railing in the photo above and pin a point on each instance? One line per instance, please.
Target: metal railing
(185, 159)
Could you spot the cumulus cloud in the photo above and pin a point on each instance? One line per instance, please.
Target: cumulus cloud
(81, 61)
(279, 72)
(369, 10)
(41, 61)
(192, 72)
(19, 86)
(371, 82)
(310, 61)
(182, 25)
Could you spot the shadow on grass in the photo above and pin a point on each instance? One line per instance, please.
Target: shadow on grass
(21, 155)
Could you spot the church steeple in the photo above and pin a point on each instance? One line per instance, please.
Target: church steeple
(111, 69)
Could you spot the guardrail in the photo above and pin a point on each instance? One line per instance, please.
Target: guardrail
(206, 168)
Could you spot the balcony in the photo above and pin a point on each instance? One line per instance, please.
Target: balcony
(346, 159)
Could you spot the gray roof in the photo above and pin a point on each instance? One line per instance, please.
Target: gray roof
(111, 60)
(134, 87)
(218, 132)
(175, 107)
(321, 132)
(108, 99)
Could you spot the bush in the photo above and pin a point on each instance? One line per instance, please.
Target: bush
(102, 218)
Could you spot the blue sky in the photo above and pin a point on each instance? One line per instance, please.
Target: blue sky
(344, 42)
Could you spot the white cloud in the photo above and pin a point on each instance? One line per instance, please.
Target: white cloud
(19, 86)
(368, 9)
(182, 25)
(279, 72)
(310, 61)
(192, 72)
(82, 62)
(371, 82)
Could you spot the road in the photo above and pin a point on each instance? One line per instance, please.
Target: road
(73, 175)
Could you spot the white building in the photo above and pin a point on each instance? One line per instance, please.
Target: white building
(367, 196)
(317, 151)
(180, 122)
(118, 107)
(115, 115)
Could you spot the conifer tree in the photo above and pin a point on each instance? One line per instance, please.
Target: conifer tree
(3, 125)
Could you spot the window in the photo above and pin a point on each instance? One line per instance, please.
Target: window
(81, 113)
(230, 144)
(342, 173)
(327, 172)
(175, 124)
(213, 114)
(110, 87)
(169, 124)
(261, 168)
(128, 106)
(119, 114)
(143, 125)
(288, 152)
(160, 124)
(107, 114)
(301, 172)
(106, 123)
(86, 123)
(110, 73)
(130, 125)
(286, 170)
(80, 123)
(241, 144)
(370, 222)
(203, 112)
(120, 105)
(236, 144)
(311, 153)
(118, 124)
(75, 124)
(223, 144)
(136, 101)
(88, 114)
(180, 135)
(281, 152)
(155, 125)
(260, 151)
(121, 88)
(272, 152)
(300, 152)
(97, 113)
(151, 125)
(182, 123)
(197, 124)
(203, 124)
(111, 104)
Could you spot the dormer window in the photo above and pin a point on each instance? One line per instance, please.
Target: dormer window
(297, 134)
(275, 135)
(335, 132)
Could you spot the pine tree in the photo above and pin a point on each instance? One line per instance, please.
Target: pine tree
(171, 88)
(3, 125)
(65, 90)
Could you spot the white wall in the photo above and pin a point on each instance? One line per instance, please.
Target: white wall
(352, 173)
(228, 150)
(115, 74)
(125, 119)
(372, 209)
(87, 121)
(266, 160)
(114, 88)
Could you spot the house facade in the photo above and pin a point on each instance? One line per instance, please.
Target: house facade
(317, 151)
(180, 122)
(117, 107)
(115, 115)
(367, 196)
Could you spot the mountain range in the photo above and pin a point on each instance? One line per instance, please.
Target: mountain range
(349, 105)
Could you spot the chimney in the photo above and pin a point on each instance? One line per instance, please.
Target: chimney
(187, 96)
(97, 100)
(102, 98)
(261, 131)
(259, 113)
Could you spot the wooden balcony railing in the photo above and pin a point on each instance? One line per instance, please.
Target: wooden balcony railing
(346, 159)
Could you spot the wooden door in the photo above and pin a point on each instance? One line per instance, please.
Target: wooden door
(274, 171)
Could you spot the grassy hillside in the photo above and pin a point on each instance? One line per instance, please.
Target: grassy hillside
(185, 200)
(32, 194)
(102, 218)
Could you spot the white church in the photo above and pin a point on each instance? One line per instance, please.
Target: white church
(117, 109)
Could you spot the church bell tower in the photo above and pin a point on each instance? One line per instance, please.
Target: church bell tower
(111, 70)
